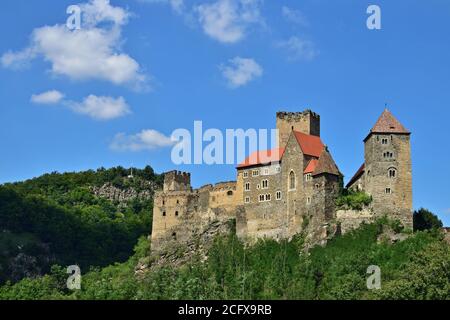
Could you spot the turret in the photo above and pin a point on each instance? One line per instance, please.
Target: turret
(177, 181)
(306, 122)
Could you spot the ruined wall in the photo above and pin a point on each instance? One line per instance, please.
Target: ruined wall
(180, 215)
(224, 195)
(352, 219)
(307, 122)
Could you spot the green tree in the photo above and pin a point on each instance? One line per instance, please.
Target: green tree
(424, 219)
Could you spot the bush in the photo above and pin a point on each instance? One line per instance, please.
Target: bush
(353, 200)
(425, 220)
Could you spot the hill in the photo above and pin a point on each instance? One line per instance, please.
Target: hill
(91, 218)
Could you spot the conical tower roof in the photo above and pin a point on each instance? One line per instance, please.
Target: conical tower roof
(387, 123)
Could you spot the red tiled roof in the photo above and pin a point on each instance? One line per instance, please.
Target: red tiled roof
(311, 166)
(387, 123)
(357, 175)
(326, 164)
(310, 145)
(262, 157)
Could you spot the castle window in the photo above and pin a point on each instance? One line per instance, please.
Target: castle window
(247, 200)
(388, 155)
(317, 186)
(308, 177)
(178, 201)
(164, 213)
(278, 169)
(258, 186)
(384, 141)
(392, 173)
(245, 174)
(278, 195)
(292, 180)
(266, 171)
(265, 184)
(388, 191)
(268, 197)
(247, 186)
(261, 198)
(308, 200)
(255, 173)
(176, 213)
(164, 202)
(230, 193)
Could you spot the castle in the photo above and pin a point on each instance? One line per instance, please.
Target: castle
(281, 192)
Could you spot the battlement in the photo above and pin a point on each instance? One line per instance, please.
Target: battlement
(306, 122)
(177, 181)
(285, 115)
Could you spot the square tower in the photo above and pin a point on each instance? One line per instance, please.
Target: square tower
(306, 122)
(177, 181)
(388, 173)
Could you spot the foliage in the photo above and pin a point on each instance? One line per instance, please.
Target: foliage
(416, 268)
(56, 219)
(355, 200)
(425, 220)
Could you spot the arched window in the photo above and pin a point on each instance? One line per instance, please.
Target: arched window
(230, 193)
(392, 173)
(292, 180)
(176, 213)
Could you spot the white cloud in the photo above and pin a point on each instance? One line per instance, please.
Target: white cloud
(49, 97)
(294, 16)
(101, 108)
(145, 140)
(240, 71)
(96, 11)
(93, 52)
(228, 20)
(176, 5)
(299, 49)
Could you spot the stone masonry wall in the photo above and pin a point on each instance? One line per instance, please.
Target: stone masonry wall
(398, 203)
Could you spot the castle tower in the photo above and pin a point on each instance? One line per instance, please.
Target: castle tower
(327, 181)
(388, 177)
(177, 181)
(307, 122)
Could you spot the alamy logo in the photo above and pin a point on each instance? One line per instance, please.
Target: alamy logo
(212, 146)
(74, 20)
(74, 280)
(374, 280)
(374, 20)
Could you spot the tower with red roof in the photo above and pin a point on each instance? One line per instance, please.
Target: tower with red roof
(386, 173)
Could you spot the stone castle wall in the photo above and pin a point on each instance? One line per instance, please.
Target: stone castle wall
(179, 214)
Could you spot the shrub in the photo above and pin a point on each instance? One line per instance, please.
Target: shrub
(353, 200)
(423, 219)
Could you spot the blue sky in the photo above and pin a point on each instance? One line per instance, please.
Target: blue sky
(228, 63)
